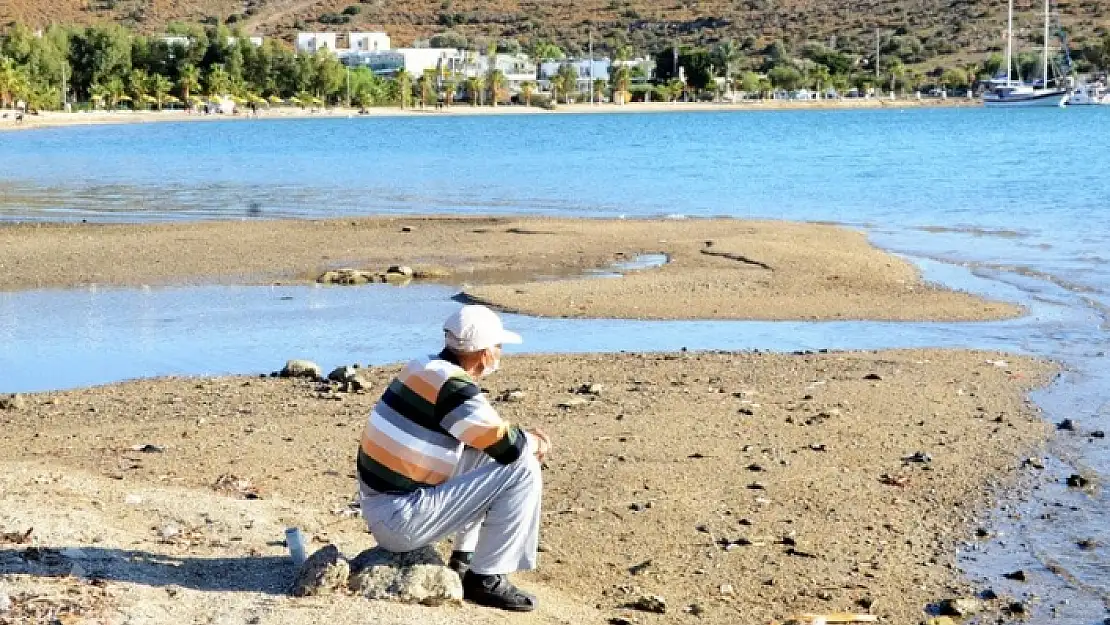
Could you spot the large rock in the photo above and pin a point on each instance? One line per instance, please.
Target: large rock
(348, 277)
(413, 577)
(323, 573)
(301, 369)
(964, 606)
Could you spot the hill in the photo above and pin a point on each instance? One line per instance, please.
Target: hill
(926, 30)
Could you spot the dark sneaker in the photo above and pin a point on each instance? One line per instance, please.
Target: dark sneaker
(460, 561)
(496, 591)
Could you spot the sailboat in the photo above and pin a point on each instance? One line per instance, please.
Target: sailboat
(1011, 92)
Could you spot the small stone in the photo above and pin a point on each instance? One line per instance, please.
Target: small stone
(727, 589)
(940, 620)
(694, 609)
(406, 228)
(403, 270)
(1066, 424)
(919, 456)
(14, 401)
(169, 531)
(754, 467)
(1076, 480)
(748, 412)
(757, 486)
(590, 389)
(650, 603)
(5, 602)
(512, 395)
(1018, 575)
(964, 606)
(1087, 544)
(872, 376)
(323, 573)
(1035, 463)
(621, 620)
(1098, 434)
(148, 448)
(133, 500)
(1016, 607)
(824, 595)
(301, 369)
(573, 402)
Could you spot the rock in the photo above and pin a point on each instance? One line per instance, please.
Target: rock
(511, 395)
(347, 277)
(621, 620)
(14, 401)
(148, 448)
(988, 595)
(824, 595)
(940, 620)
(694, 609)
(5, 602)
(872, 376)
(590, 389)
(963, 606)
(1066, 424)
(919, 456)
(1098, 434)
(168, 531)
(727, 589)
(350, 379)
(573, 402)
(323, 573)
(407, 228)
(1016, 607)
(431, 273)
(1018, 575)
(1076, 480)
(1036, 463)
(650, 603)
(396, 279)
(414, 577)
(403, 270)
(1087, 544)
(301, 369)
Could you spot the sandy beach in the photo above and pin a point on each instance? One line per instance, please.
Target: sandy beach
(56, 119)
(740, 487)
(723, 269)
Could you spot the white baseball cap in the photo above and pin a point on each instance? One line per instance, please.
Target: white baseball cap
(473, 328)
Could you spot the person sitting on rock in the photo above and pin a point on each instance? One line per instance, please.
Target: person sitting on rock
(436, 459)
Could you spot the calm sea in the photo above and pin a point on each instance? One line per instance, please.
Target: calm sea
(1013, 204)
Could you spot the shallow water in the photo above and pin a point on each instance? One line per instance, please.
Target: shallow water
(1009, 204)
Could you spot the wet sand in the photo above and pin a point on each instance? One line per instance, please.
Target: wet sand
(55, 119)
(720, 269)
(751, 486)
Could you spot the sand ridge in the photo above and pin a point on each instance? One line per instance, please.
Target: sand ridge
(718, 268)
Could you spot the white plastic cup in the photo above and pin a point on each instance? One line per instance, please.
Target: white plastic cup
(294, 539)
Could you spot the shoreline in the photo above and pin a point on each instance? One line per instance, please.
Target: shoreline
(656, 467)
(717, 268)
(50, 119)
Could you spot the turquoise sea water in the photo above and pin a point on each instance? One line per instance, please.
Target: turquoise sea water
(1013, 204)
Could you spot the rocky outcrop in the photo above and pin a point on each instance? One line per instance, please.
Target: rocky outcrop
(323, 573)
(395, 274)
(417, 577)
(13, 402)
(349, 378)
(301, 369)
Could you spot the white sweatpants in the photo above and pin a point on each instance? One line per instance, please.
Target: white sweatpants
(493, 509)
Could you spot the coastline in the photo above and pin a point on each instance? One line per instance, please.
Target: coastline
(55, 119)
(780, 456)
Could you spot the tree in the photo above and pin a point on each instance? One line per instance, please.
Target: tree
(728, 56)
(427, 86)
(116, 92)
(218, 81)
(785, 77)
(820, 77)
(159, 88)
(474, 87)
(621, 82)
(566, 81)
(403, 86)
(137, 83)
(675, 88)
(547, 51)
(188, 81)
(749, 82)
(13, 83)
(496, 85)
(954, 77)
(526, 90)
(599, 89)
(897, 71)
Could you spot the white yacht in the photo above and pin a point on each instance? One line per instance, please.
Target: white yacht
(1088, 94)
(1010, 92)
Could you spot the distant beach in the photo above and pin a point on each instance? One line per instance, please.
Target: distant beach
(48, 119)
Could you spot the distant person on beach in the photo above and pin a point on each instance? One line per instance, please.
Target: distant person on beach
(436, 460)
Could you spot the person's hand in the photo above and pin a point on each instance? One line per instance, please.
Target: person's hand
(543, 443)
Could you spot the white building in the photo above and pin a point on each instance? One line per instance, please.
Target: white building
(315, 42)
(517, 68)
(588, 71)
(367, 42)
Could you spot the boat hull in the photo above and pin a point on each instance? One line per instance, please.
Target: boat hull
(1037, 100)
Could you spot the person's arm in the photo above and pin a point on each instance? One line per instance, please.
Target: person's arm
(469, 417)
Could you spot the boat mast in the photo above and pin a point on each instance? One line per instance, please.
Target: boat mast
(1010, 43)
(1045, 44)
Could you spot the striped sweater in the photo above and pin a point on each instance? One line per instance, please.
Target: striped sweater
(416, 432)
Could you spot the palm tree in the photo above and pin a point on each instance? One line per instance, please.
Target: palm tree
(820, 76)
(137, 86)
(218, 81)
(599, 89)
(188, 81)
(450, 86)
(427, 87)
(728, 53)
(474, 86)
(99, 94)
(116, 92)
(404, 87)
(159, 88)
(496, 86)
(526, 90)
(566, 81)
